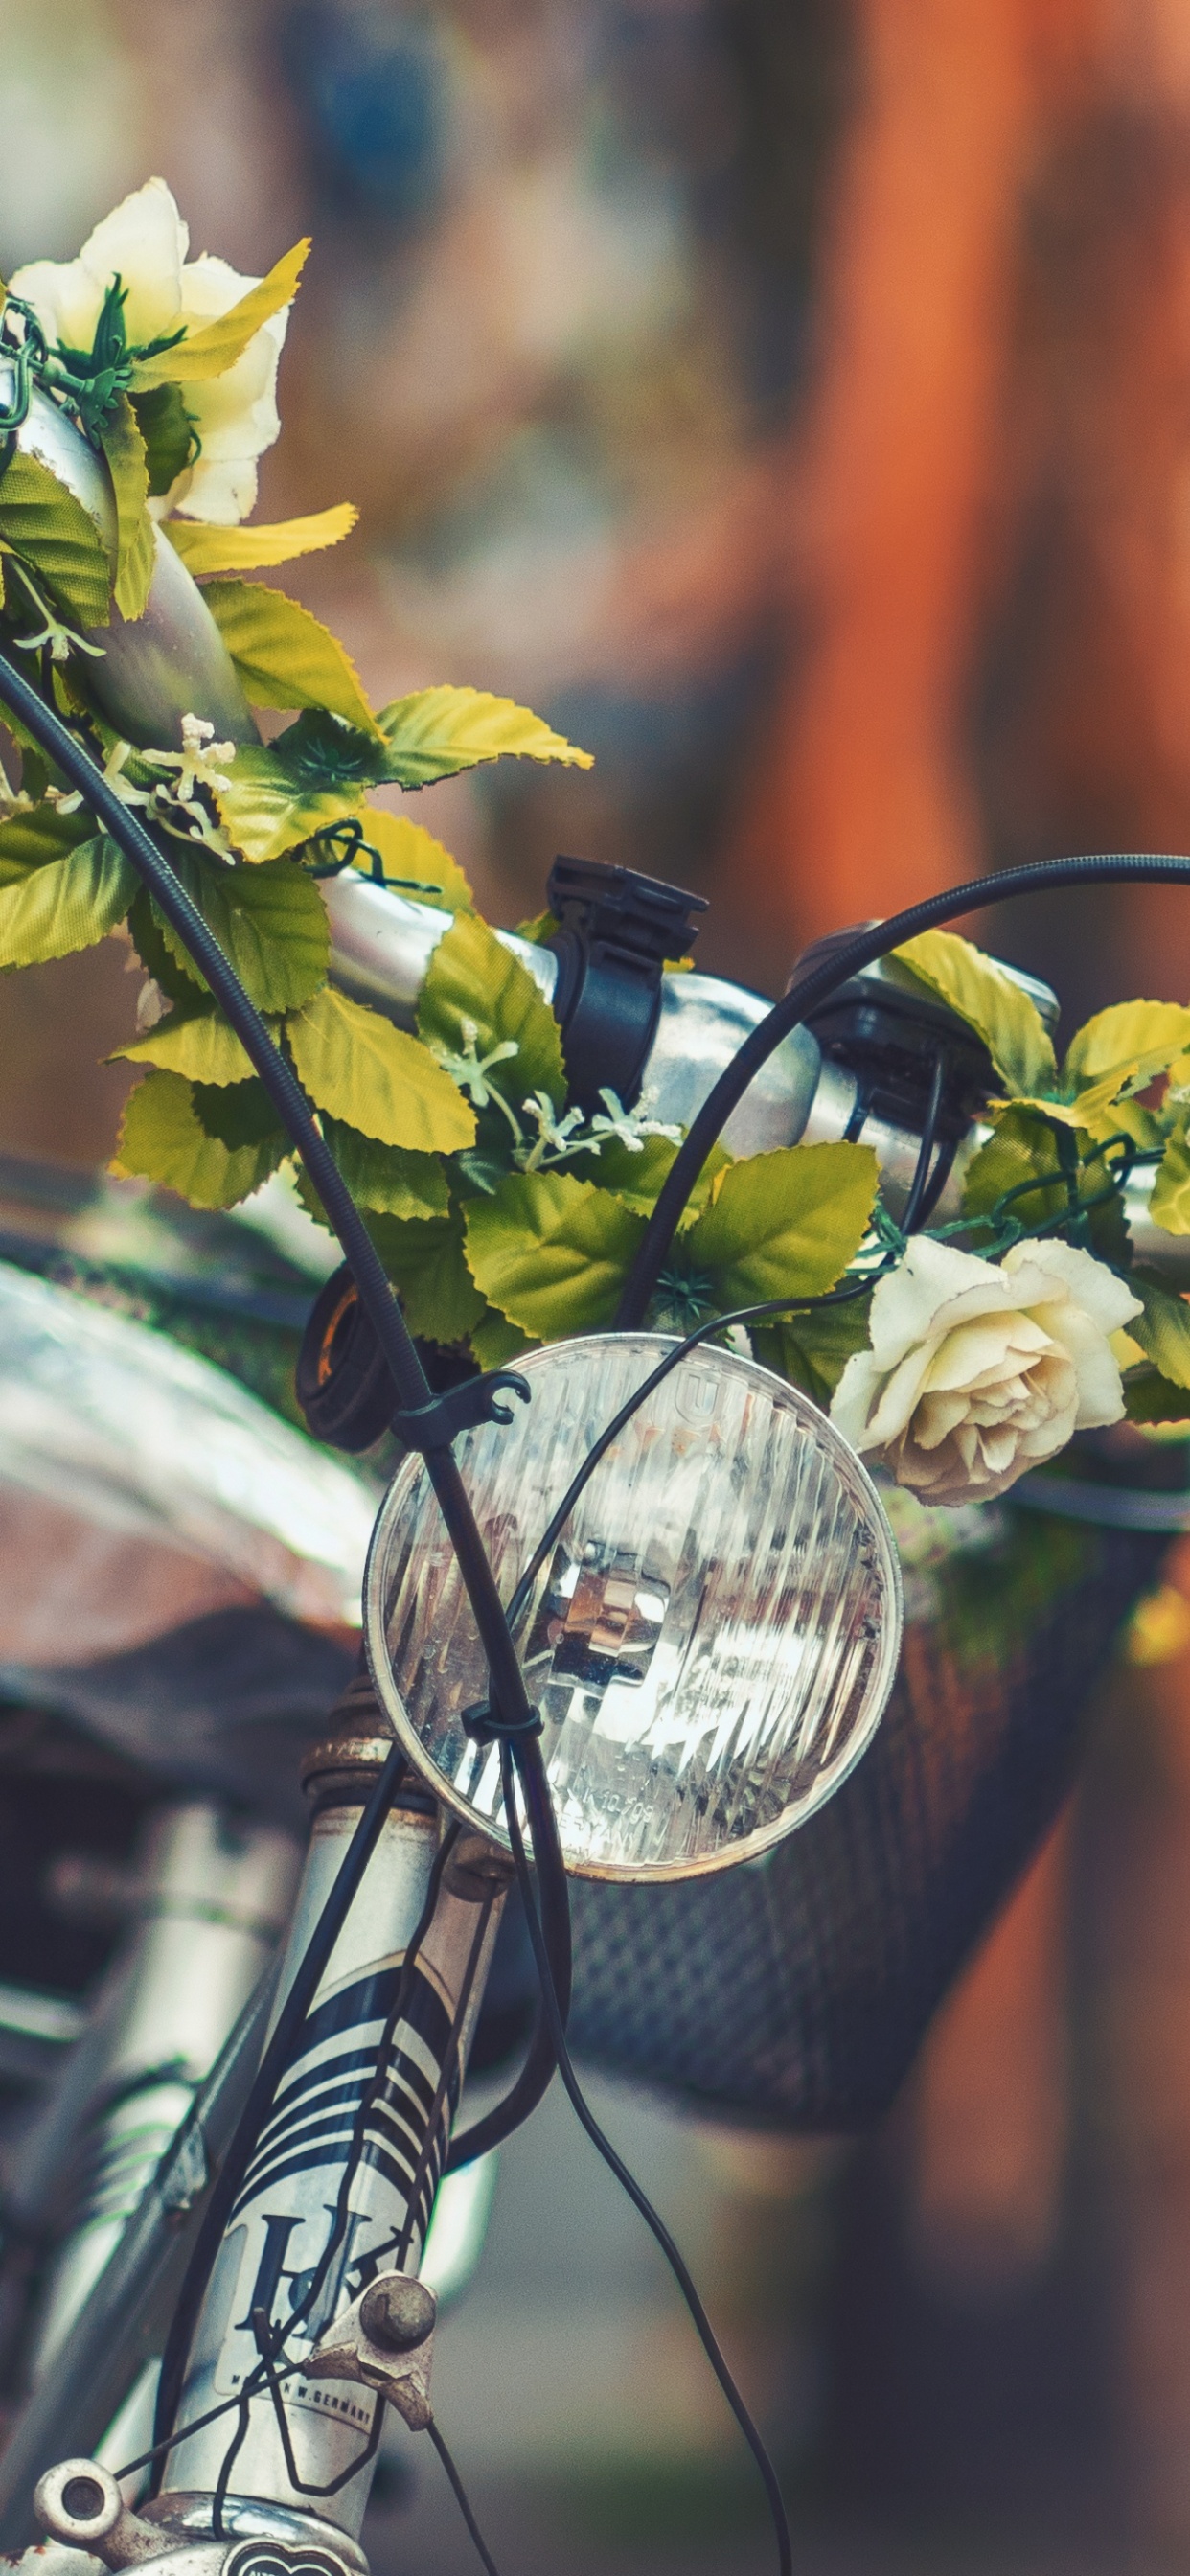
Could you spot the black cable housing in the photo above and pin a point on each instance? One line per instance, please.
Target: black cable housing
(810, 990)
(276, 1073)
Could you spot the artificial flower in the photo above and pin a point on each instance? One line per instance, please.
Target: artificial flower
(144, 243)
(979, 1370)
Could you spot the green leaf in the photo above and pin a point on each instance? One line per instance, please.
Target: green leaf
(1134, 1040)
(211, 351)
(281, 795)
(437, 732)
(376, 1078)
(1022, 1148)
(269, 921)
(200, 1044)
(426, 1264)
(412, 859)
(551, 1253)
(813, 1350)
(1012, 1030)
(178, 983)
(637, 1179)
(472, 976)
(1149, 1397)
(30, 838)
(784, 1222)
(66, 905)
(56, 537)
(205, 548)
(136, 542)
(239, 1115)
(494, 1341)
(1163, 1330)
(1025, 1148)
(168, 433)
(1169, 1205)
(284, 656)
(384, 1178)
(162, 1139)
(539, 931)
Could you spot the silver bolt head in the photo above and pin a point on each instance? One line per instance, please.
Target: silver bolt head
(398, 2312)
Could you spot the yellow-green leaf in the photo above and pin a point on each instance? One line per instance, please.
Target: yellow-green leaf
(813, 1349)
(1012, 1029)
(437, 732)
(205, 548)
(1134, 1041)
(161, 1139)
(473, 977)
(551, 1253)
(494, 1341)
(267, 811)
(270, 921)
(1149, 1397)
(57, 538)
(66, 905)
(284, 656)
(1023, 1149)
(211, 351)
(168, 432)
(38, 833)
(136, 543)
(377, 1078)
(1169, 1205)
(425, 1262)
(383, 1178)
(1163, 1329)
(199, 1044)
(413, 860)
(787, 1222)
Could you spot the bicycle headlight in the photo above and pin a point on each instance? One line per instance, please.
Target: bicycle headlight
(711, 1641)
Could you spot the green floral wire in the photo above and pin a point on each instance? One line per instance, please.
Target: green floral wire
(350, 829)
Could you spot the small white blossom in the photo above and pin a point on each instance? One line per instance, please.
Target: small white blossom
(201, 762)
(626, 1127)
(113, 778)
(144, 243)
(470, 1069)
(555, 1136)
(979, 1370)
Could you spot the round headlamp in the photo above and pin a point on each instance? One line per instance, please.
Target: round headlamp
(711, 1641)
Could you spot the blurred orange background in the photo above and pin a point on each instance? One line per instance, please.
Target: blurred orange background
(792, 399)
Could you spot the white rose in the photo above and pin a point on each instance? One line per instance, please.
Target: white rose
(144, 242)
(979, 1370)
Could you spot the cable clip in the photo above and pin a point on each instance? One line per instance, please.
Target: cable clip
(482, 1724)
(462, 1408)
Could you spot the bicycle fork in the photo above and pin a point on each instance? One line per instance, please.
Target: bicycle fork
(313, 2315)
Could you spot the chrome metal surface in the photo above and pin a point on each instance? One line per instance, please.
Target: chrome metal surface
(280, 2227)
(382, 943)
(140, 1485)
(702, 1025)
(215, 1896)
(381, 946)
(170, 662)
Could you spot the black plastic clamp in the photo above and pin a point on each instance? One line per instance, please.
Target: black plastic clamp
(462, 1408)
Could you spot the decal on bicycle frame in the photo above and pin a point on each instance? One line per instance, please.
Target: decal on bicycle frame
(287, 2210)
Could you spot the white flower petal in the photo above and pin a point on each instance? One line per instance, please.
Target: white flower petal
(1109, 1301)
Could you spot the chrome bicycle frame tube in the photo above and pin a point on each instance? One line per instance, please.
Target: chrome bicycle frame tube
(342, 2182)
(212, 1895)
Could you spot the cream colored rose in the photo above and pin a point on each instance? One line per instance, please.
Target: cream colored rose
(978, 1370)
(144, 242)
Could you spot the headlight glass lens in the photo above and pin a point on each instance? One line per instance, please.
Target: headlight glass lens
(712, 1639)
